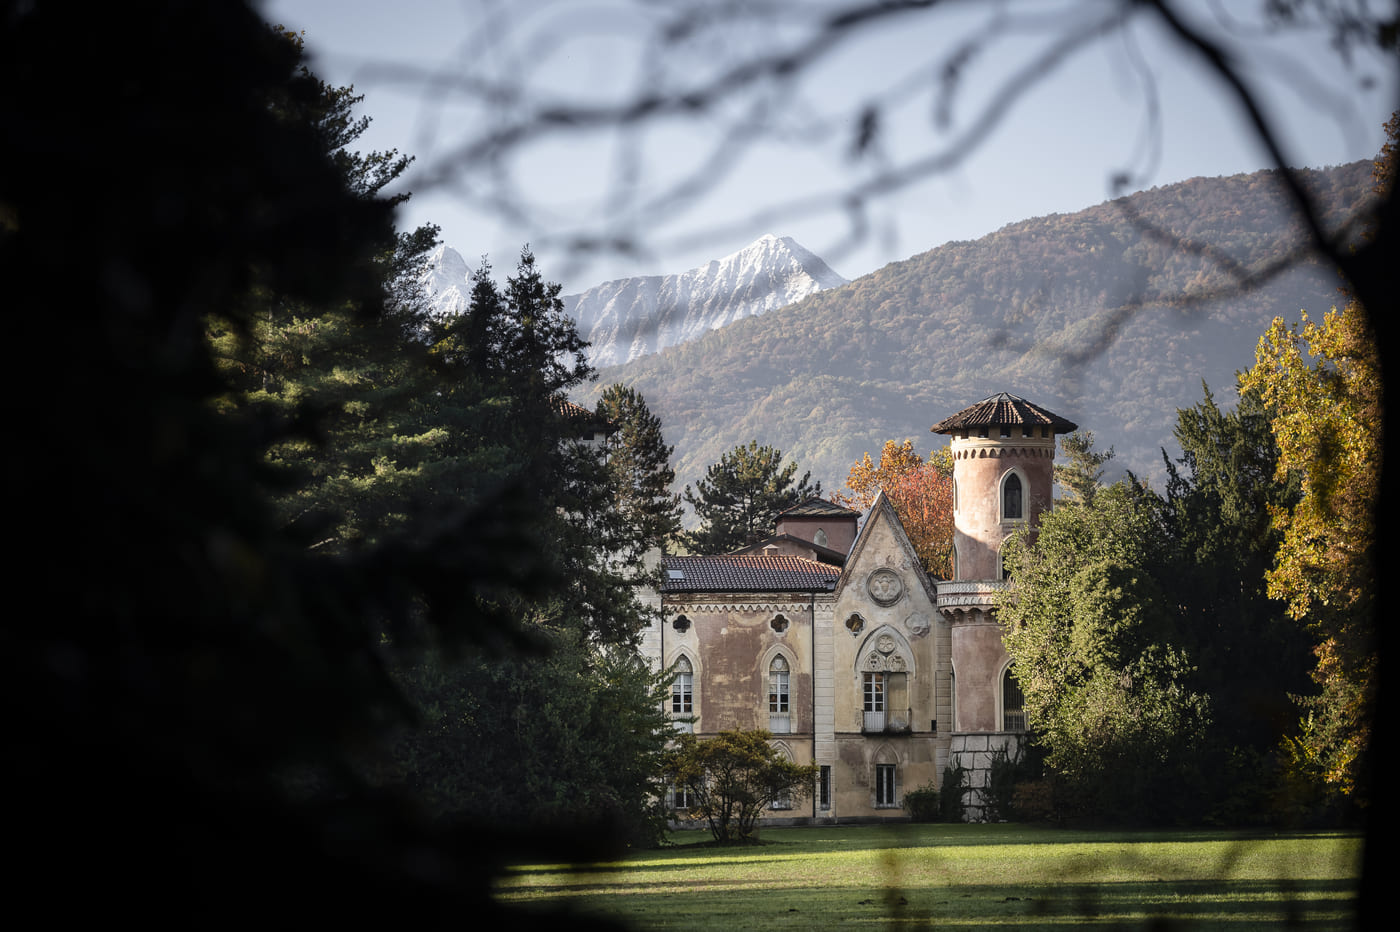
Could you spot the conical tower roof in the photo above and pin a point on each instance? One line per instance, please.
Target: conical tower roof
(1003, 408)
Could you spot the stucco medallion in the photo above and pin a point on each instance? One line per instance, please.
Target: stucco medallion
(885, 586)
(917, 623)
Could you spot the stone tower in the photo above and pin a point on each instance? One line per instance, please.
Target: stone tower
(1003, 479)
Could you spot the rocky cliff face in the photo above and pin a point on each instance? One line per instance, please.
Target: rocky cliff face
(447, 281)
(632, 317)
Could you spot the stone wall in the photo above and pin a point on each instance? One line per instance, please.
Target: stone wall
(974, 753)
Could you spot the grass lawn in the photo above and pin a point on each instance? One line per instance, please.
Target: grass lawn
(965, 876)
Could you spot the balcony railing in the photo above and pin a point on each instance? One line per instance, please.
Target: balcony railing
(889, 723)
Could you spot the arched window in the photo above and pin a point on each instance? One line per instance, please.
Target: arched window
(1013, 506)
(886, 779)
(885, 665)
(683, 694)
(819, 538)
(779, 708)
(885, 795)
(1013, 703)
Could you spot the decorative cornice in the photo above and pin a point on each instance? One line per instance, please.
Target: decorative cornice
(993, 450)
(968, 594)
(786, 608)
(964, 615)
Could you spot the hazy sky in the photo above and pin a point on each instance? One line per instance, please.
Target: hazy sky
(440, 75)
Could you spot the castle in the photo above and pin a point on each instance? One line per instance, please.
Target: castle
(831, 636)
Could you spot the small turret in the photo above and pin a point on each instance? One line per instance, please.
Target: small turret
(1003, 477)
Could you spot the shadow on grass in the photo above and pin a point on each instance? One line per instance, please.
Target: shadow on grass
(967, 875)
(1317, 904)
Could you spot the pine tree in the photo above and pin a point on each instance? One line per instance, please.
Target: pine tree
(345, 379)
(639, 465)
(1249, 655)
(739, 499)
(1082, 468)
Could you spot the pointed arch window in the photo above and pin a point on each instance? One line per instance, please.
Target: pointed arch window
(779, 707)
(885, 787)
(683, 695)
(884, 668)
(1013, 507)
(783, 801)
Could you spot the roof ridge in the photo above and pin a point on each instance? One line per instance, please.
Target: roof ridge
(1004, 408)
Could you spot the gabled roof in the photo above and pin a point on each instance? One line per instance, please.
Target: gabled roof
(882, 507)
(1004, 408)
(817, 508)
(745, 573)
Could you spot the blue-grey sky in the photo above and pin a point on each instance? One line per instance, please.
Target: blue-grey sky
(1129, 101)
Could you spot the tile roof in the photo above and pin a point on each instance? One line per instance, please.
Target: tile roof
(581, 416)
(834, 557)
(1004, 408)
(745, 573)
(815, 507)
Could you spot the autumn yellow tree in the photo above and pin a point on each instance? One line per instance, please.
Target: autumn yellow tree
(1323, 383)
(1322, 380)
(921, 492)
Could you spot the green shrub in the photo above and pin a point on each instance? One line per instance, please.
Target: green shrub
(1034, 800)
(952, 795)
(922, 804)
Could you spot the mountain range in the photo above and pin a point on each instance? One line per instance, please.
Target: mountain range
(629, 318)
(626, 319)
(1113, 316)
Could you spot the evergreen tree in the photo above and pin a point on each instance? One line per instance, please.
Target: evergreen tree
(1109, 688)
(1134, 616)
(346, 379)
(1081, 468)
(639, 464)
(739, 499)
(556, 739)
(1220, 495)
(209, 662)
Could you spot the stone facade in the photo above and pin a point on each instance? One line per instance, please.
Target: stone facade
(840, 644)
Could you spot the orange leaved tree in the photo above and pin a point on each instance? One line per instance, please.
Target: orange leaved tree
(921, 492)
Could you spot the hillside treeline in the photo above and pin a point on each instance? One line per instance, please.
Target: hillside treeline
(1112, 316)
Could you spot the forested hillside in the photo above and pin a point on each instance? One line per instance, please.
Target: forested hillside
(1090, 314)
